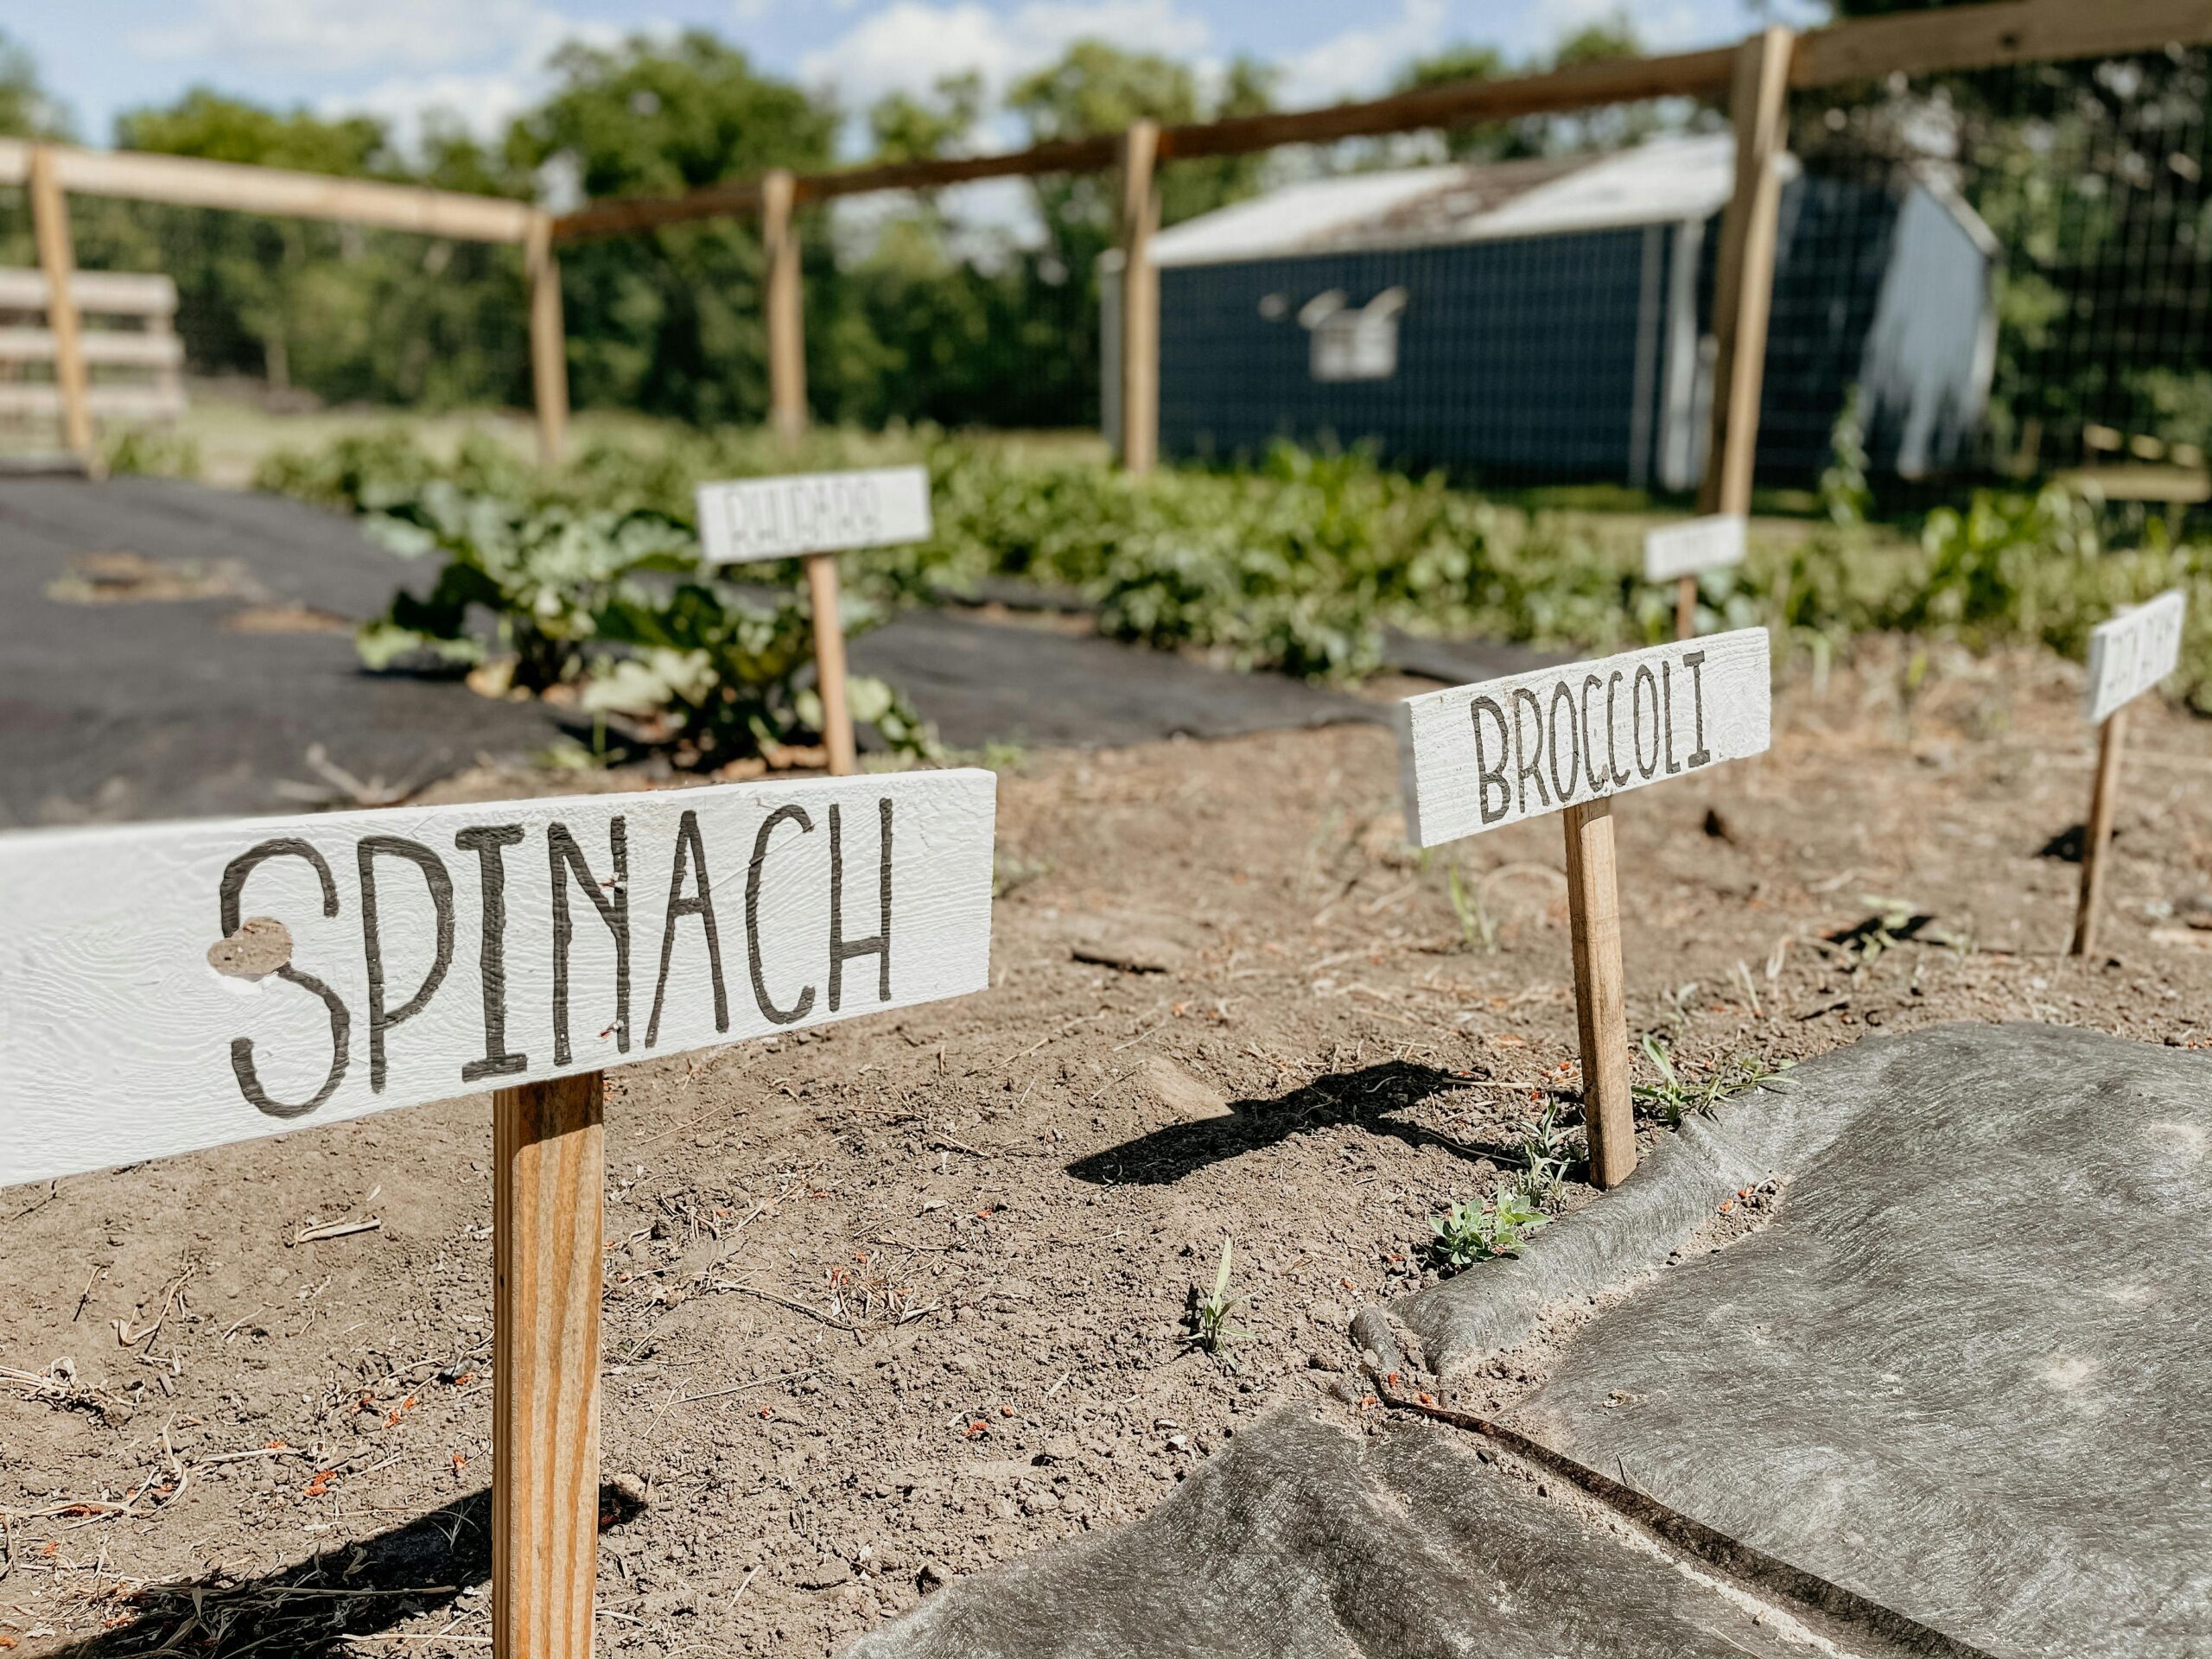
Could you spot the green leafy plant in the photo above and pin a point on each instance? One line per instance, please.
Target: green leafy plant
(1471, 1232)
(613, 609)
(1676, 1095)
(1209, 1314)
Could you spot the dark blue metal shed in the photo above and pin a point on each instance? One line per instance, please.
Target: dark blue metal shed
(1550, 319)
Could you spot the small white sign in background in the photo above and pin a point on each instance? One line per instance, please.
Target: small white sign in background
(2134, 651)
(1693, 545)
(1476, 757)
(168, 987)
(750, 519)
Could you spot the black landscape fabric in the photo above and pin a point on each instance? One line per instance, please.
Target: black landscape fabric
(201, 695)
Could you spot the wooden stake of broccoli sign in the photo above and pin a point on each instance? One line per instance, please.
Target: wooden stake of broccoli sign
(178, 986)
(2128, 656)
(1569, 739)
(815, 517)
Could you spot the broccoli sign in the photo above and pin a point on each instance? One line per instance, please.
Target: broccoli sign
(175, 986)
(1568, 738)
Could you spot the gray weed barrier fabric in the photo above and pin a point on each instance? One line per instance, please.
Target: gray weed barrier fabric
(1963, 1370)
(1950, 1399)
(1303, 1541)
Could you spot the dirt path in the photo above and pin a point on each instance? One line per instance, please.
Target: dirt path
(895, 1300)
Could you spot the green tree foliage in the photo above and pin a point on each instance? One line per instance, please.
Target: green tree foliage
(669, 322)
(26, 109)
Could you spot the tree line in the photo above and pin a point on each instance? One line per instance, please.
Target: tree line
(917, 312)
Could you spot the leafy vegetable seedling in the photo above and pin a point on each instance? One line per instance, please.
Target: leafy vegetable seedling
(1471, 1232)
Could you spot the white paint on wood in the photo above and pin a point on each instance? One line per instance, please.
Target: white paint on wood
(1693, 545)
(1479, 756)
(432, 946)
(104, 293)
(755, 519)
(2134, 651)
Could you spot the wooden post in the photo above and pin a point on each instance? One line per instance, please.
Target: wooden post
(2096, 835)
(549, 351)
(830, 664)
(786, 330)
(1685, 607)
(1139, 219)
(548, 1173)
(1744, 285)
(1601, 1005)
(57, 259)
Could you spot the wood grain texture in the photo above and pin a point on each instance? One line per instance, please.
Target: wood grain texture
(780, 249)
(548, 345)
(1974, 37)
(747, 520)
(512, 942)
(189, 182)
(57, 263)
(1593, 907)
(1475, 757)
(2096, 834)
(1140, 355)
(830, 664)
(548, 1173)
(2132, 652)
(1744, 283)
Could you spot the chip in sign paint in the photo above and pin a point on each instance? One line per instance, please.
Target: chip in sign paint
(750, 519)
(168, 987)
(1693, 545)
(2134, 651)
(1477, 757)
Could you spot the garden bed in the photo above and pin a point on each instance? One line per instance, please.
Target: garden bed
(894, 1302)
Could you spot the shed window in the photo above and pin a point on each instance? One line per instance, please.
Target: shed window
(1350, 344)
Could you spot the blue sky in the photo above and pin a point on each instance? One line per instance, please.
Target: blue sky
(483, 58)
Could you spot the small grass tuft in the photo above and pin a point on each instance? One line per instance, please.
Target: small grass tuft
(1209, 1315)
(1676, 1094)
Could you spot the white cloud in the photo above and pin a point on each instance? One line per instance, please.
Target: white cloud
(340, 37)
(912, 44)
(1360, 62)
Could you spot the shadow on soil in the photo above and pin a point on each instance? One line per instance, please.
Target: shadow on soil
(1367, 1099)
(315, 1609)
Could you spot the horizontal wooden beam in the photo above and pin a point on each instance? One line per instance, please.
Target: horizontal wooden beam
(109, 400)
(1586, 85)
(104, 347)
(189, 181)
(1981, 37)
(1962, 37)
(106, 293)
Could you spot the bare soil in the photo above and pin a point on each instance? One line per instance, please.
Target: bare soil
(899, 1300)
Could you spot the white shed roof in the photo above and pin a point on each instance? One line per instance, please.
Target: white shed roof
(1664, 180)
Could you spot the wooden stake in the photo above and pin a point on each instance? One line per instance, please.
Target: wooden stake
(786, 330)
(549, 351)
(1685, 607)
(548, 1173)
(830, 664)
(1601, 1005)
(2096, 835)
(1743, 284)
(1139, 219)
(57, 259)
